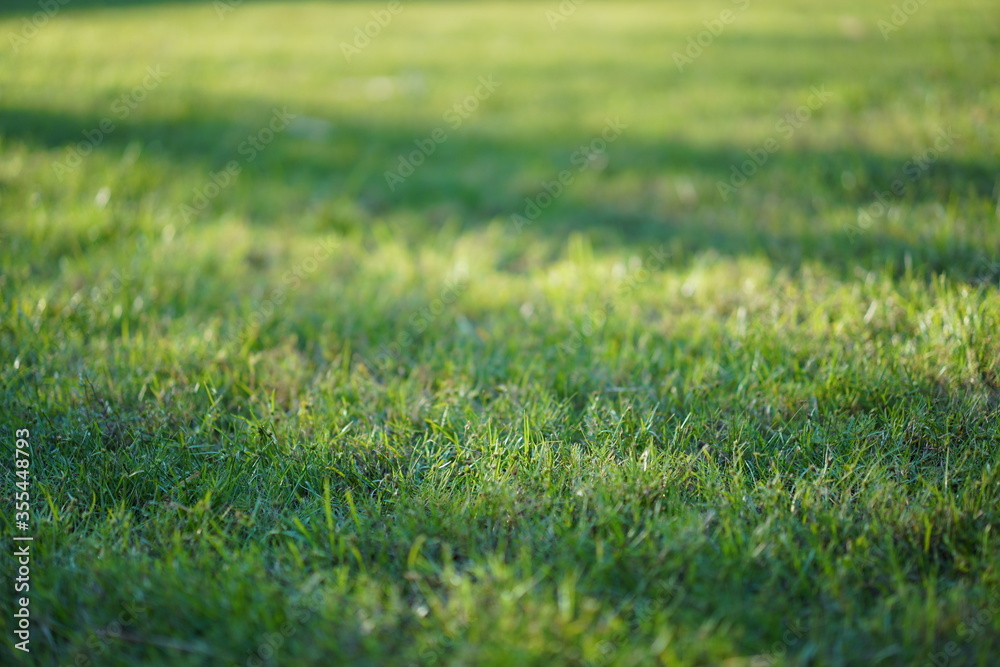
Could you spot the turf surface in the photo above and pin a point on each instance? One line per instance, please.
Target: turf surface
(517, 333)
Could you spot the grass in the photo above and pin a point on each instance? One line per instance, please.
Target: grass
(312, 419)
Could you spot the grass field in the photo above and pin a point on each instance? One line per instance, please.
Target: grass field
(519, 333)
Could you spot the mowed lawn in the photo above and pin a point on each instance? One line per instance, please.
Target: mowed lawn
(512, 333)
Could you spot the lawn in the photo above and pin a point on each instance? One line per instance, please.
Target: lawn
(500, 333)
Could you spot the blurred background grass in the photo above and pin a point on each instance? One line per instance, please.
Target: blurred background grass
(685, 129)
(657, 184)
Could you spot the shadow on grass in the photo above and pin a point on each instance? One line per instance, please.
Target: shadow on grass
(645, 192)
(29, 7)
(50, 7)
